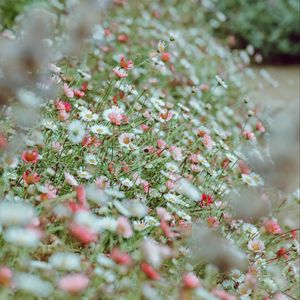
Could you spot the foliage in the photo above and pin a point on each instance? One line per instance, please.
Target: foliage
(272, 27)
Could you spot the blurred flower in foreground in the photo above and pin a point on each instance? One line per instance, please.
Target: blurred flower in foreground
(209, 247)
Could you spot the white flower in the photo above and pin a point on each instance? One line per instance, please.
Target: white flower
(87, 116)
(88, 220)
(256, 246)
(76, 130)
(22, 237)
(174, 199)
(29, 99)
(188, 189)
(33, 284)
(65, 261)
(16, 213)
(108, 223)
(91, 159)
(84, 174)
(125, 139)
(105, 261)
(126, 182)
(100, 129)
(140, 225)
(70, 179)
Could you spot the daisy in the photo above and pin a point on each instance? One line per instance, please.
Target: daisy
(256, 246)
(100, 129)
(87, 116)
(76, 131)
(126, 182)
(140, 225)
(84, 174)
(114, 115)
(125, 139)
(90, 159)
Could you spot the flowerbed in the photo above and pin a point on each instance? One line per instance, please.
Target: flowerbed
(124, 176)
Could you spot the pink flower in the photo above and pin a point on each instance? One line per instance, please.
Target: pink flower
(120, 73)
(124, 227)
(78, 93)
(166, 56)
(50, 192)
(272, 226)
(127, 65)
(31, 177)
(68, 91)
(249, 135)
(74, 283)
(207, 142)
(163, 214)
(190, 281)
(82, 234)
(260, 127)
(63, 105)
(81, 196)
(149, 271)
(30, 156)
(114, 115)
(176, 153)
(121, 258)
(5, 276)
(212, 222)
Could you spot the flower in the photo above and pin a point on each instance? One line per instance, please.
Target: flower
(206, 200)
(76, 131)
(121, 258)
(256, 246)
(30, 156)
(165, 57)
(127, 65)
(271, 226)
(114, 115)
(65, 261)
(16, 213)
(120, 73)
(82, 234)
(125, 139)
(30, 178)
(161, 46)
(33, 284)
(5, 276)
(73, 283)
(149, 271)
(87, 116)
(68, 91)
(22, 237)
(124, 227)
(207, 142)
(100, 129)
(190, 281)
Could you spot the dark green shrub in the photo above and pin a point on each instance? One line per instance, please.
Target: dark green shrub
(271, 26)
(9, 9)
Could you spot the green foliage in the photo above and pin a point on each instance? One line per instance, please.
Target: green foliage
(271, 26)
(9, 9)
